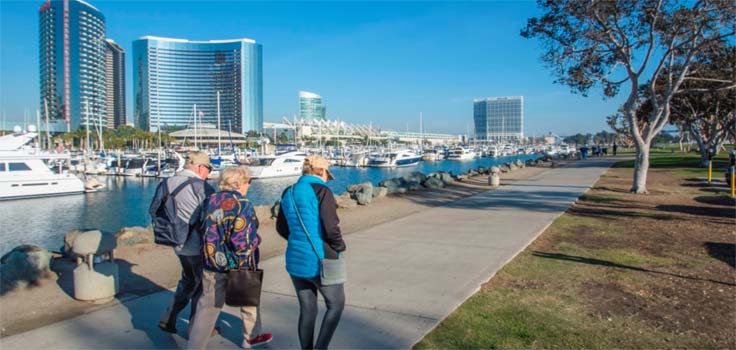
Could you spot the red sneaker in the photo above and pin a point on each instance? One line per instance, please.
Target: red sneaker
(258, 340)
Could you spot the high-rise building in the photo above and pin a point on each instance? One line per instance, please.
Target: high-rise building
(176, 80)
(115, 75)
(499, 118)
(72, 64)
(311, 107)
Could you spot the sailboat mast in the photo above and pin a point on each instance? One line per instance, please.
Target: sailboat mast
(48, 134)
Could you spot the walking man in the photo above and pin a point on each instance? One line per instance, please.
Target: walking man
(189, 202)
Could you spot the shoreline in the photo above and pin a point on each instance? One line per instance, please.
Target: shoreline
(148, 268)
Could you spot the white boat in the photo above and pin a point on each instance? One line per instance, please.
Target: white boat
(394, 159)
(460, 153)
(23, 173)
(287, 164)
(433, 155)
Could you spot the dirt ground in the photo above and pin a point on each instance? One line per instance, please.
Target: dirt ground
(685, 230)
(148, 268)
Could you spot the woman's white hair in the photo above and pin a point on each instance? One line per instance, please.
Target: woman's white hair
(231, 178)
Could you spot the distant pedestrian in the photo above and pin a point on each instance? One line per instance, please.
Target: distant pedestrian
(615, 149)
(308, 220)
(231, 242)
(189, 199)
(584, 152)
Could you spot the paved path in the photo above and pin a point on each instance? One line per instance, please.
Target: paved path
(405, 275)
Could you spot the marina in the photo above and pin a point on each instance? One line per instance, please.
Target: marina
(124, 201)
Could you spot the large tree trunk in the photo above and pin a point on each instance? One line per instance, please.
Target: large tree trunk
(641, 167)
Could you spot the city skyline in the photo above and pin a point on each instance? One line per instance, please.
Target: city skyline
(380, 63)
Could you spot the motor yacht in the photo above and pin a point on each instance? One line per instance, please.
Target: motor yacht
(287, 164)
(24, 174)
(394, 159)
(433, 155)
(461, 153)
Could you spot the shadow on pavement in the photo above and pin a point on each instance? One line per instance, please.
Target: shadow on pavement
(592, 261)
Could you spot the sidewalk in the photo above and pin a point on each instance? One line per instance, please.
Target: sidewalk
(405, 276)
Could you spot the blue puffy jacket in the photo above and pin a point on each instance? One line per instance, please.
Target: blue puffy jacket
(318, 210)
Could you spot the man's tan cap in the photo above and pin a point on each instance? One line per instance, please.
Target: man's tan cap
(315, 161)
(199, 158)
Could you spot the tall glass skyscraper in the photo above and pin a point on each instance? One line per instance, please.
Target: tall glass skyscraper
(172, 77)
(72, 64)
(499, 118)
(311, 107)
(115, 71)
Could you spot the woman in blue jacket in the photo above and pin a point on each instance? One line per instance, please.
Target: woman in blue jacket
(316, 206)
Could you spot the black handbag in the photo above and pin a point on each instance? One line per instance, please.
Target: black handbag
(244, 287)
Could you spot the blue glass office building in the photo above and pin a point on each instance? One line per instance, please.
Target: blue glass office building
(311, 107)
(172, 76)
(72, 64)
(499, 118)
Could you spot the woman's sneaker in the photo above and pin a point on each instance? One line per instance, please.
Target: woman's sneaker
(258, 340)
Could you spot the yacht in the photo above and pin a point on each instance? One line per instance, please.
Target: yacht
(287, 164)
(461, 153)
(433, 155)
(24, 174)
(394, 159)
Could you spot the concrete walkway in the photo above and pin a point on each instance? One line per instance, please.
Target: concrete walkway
(405, 276)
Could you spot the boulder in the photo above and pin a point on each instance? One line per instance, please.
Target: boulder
(414, 186)
(134, 235)
(446, 178)
(414, 176)
(379, 192)
(495, 170)
(22, 265)
(472, 173)
(433, 182)
(482, 170)
(520, 163)
(362, 193)
(505, 168)
(344, 201)
(69, 238)
(513, 167)
(395, 185)
(462, 177)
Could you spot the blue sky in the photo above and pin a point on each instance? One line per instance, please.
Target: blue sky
(371, 61)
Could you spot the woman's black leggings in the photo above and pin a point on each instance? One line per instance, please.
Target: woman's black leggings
(306, 292)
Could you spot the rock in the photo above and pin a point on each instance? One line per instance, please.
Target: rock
(433, 182)
(395, 185)
(472, 173)
(462, 177)
(379, 192)
(134, 235)
(414, 186)
(513, 167)
(24, 264)
(69, 238)
(520, 163)
(482, 170)
(446, 178)
(362, 193)
(495, 170)
(275, 209)
(505, 168)
(415, 176)
(344, 201)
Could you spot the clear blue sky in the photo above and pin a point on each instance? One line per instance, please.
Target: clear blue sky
(371, 61)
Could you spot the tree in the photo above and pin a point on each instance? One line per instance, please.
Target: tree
(706, 112)
(611, 43)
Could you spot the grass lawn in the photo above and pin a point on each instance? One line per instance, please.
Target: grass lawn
(617, 270)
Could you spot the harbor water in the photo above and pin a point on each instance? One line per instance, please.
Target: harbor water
(125, 200)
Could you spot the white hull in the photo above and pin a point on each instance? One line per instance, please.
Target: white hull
(266, 172)
(31, 186)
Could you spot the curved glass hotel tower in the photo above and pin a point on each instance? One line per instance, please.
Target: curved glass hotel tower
(172, 77)
(311, 107)
(72, 64)
(499, 118)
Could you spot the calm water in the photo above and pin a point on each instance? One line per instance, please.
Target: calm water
(125, 202)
